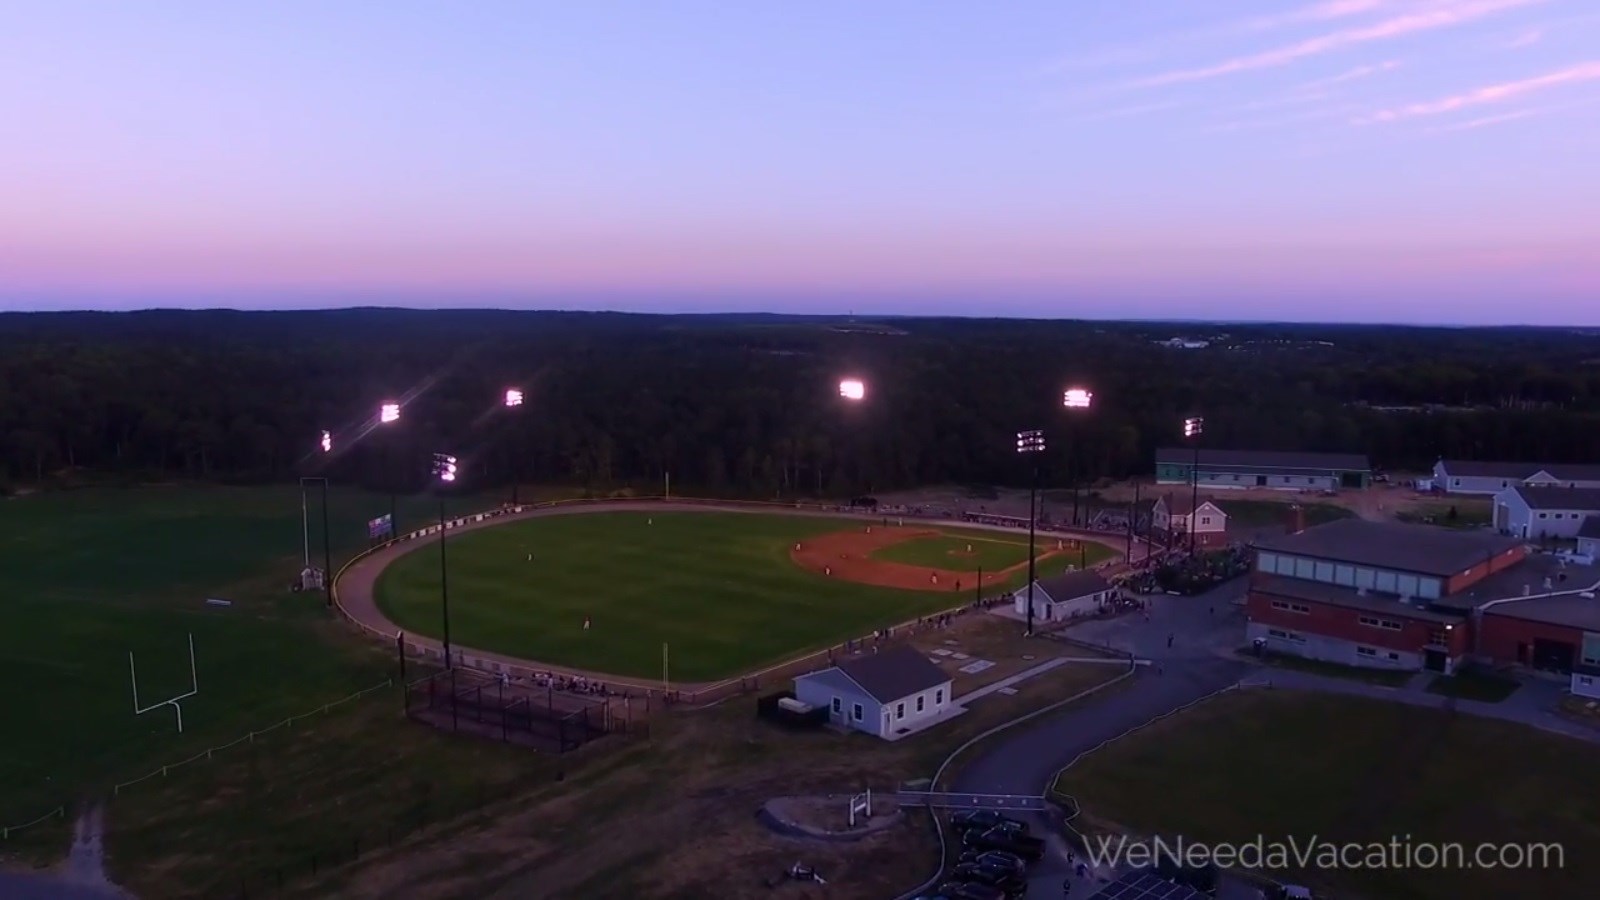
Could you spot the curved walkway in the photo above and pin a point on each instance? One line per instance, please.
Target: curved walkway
(1200, 662)
(355, 594)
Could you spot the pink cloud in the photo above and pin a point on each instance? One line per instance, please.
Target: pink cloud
(1447, 15)
(1495, 93)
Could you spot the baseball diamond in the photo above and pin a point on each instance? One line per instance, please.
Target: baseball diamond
(600, 589)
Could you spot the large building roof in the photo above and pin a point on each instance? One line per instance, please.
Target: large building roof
(1286, 462)
(1519, 471)
(1423, 549)
(894, 672)
(1559, 497)
(1571, 609)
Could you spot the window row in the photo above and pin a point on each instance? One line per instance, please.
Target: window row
(1380, 580)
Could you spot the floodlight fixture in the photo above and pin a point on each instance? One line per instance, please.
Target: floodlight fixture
(513, 397)
(1193, 427)
(1077, 398)
(853, 389)
(389, 412)
(1030, 441)
(444, 466)
(327, 442)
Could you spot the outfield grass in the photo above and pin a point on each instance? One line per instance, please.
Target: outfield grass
(1284, 764)
(717, 588)
(93, 574)
(990, 554)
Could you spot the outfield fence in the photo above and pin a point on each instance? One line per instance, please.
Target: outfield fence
(668, 693)
(59, 812)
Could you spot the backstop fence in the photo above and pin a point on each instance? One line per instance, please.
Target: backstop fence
(472, 702)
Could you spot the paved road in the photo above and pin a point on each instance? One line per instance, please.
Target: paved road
(30, 886)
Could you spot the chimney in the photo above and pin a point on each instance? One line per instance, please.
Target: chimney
(1297, 518)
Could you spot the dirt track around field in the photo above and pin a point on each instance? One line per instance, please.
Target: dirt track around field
(847, 555)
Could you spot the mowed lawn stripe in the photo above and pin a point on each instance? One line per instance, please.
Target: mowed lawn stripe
(718, 588)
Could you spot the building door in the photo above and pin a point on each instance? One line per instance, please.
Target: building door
(1261, 481)
(1433, 660)
(1522, 653)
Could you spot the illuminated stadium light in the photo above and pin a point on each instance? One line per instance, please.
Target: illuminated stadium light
(513, 397)
(853, 389)
(1077, 398)
(1193, 427)
(389, 412)
(444, 466)
(327, 442)
(1030, 441)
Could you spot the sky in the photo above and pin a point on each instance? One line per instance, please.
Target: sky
(1417, 161)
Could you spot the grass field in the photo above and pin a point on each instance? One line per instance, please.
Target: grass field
(1316, 767)
(93, 574)
(1258, 513)
(717, 588)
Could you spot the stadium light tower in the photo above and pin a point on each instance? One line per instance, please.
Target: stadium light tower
(389, 412)
(1193, 427)
(327, 442)
(1074, 399)
(1031, 444)
(513, 400)
(444, 468)
(853, 389)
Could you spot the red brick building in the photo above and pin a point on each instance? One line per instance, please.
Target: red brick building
(1378, 594)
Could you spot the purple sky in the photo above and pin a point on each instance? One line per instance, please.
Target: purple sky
(1368, 160)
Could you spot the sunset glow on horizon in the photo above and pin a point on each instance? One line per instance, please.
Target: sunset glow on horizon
(1425, 161)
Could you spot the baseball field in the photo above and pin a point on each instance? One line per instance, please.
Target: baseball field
(725, 592)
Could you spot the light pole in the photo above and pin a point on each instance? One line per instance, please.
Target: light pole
(1075, 398)
(1193, 427)
(513, 400)
(305, 532)
(389, 413)
(854, 391)
(444, 468)
(1031, 443)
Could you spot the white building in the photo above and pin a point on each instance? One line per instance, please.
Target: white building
(1172, 514)
(1589, 537)
(1459, 476)
(1534, 512)
(893, 691)
(1067, 596)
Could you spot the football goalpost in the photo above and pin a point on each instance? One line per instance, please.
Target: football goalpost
(861, 804)
(174, 702)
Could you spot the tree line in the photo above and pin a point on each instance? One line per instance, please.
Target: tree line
(749, 404)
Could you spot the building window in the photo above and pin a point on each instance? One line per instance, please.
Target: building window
(1266, 562)
(1438, 636)
(1406, 585)
(899, 710)
(1345, 575)
(1291, 607)
(1365, 578)
(1428, 588)
(920, 699)
(1590, 654)
(1285, 635)
(855, 711)
(1387, 624)
(1455, 482)
(1324, 572)
(1366, 651)
(838, 704)
(938, 696)
(1385, 582)
(1544, 515)
(1394, 656)
(1585, 680)
(1205, 520)
(1304, 568)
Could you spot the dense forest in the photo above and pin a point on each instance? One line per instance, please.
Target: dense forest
(750, 403)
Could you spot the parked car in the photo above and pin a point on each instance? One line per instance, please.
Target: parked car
(1025, 846)
(957, 890)
(985, 819)
(996, 859)
(1011, 884)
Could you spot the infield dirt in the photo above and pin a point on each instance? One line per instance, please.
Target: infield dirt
(847, 555)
